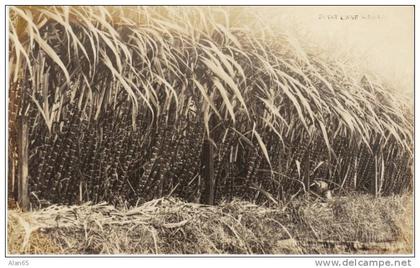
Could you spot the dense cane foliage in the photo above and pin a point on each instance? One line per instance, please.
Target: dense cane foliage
(120, 101)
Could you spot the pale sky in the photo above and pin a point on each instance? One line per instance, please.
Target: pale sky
(380, 39)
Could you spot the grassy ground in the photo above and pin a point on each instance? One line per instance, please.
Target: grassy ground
(357, 224)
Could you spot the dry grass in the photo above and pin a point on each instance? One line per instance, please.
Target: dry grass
(24, 239)
(355, 224)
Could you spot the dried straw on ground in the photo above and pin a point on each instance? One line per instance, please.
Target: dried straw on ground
(357, 224)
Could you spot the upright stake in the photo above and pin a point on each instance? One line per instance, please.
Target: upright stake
(23, 193)
(208, 173)
(376, 177)
(306, 167)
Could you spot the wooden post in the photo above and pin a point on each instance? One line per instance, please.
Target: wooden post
(375, 189)
(306, 171)
(12, 193)
(23, 142)
(208, 173)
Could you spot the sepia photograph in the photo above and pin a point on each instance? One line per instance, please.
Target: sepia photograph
(209, 130)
